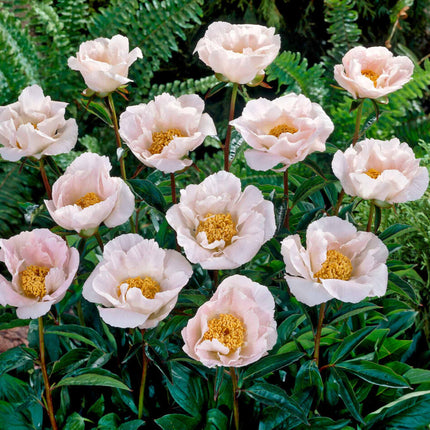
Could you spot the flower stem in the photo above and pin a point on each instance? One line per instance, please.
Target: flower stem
(318, 334)
(173, 187)
(235, 400)
(45, 179)
(143, 380)
(229, 127)
(287, 200)
(114, 118)
(371, 213)
(357, 123)
(45, 376)
(339, 202)
(99, 240)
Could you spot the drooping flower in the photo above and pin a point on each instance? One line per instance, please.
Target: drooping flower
(137, 283)
(338, 262)
(163, 132)
(235, 327)
(42, 267)
(283, 131)
(35, 126)
(384, 170)
(239, 52)
(86, 195)
(372, 72)
(218, 225)
(104, 63)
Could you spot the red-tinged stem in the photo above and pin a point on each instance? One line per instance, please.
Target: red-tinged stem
(357, 124)
(50, 406)
(45, 179)
(229, 127)
(235, 399)
(339, 202)
(173, 187)
(99, 240)
(318, 335)
(143, 380)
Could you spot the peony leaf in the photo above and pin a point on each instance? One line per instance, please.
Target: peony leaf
(92, 379)
(148, 192)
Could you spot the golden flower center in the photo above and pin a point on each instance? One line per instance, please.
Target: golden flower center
(33, 281)
(228, 329)
(88, 200)
(218, 227)
(160, 139)
(282, 128)
(373, 173)
(336, 266)
(370, 75)
(147, 285)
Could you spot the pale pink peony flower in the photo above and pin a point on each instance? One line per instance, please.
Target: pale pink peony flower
(35, 126)
(338, 262)
(283, 131)
(372, 72)
(42, 268)
(104, 63)
(163, 132)
(240, 52)
(218, 225)
(384, 170)
(137, 283)
(86, 195)
(235, 327)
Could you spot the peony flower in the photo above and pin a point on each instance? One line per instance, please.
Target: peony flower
(137, 283)
(218, 225)
(86, 195)
(372, 72)
(235, 327)
(42, 268)
(240, 52)
(104, 63)
(384, 170)
(282, 131)
(35, 126)
(338, 262)
(163, 132)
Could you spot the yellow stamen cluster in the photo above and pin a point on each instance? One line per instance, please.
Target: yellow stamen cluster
(228, 329)
(160, 139)
(218, 227)
(282, 128)
(147, 285)
(373, 173)
(371, 75)
(88, 200)
(33, 281)
(336, 266)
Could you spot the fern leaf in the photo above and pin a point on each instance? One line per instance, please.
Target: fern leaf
(178, 88)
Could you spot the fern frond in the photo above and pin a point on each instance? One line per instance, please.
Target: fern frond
(291, 70)
(189, 86)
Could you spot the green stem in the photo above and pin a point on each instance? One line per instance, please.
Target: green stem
(229, 127)
(287, 200)
(114, 118)
(49, 404)
(318, 334)
(235, 399)
(45, 179)
(357, 123)
(143, 380)
(371, 213)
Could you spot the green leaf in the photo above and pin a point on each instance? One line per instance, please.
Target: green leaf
(12, 418)
(98, 407)
(309, 377)
(310, 186)
(349, 310)
(17, 357)
(13, 389)
(271, 364)
(350, 343)
(74, 422)
(324, 423)
(149, 192)
(418, 376)
(82, 334)
(177, 422)
(98, 110)
(407, 412)
(346, 393)
(216, 420)
(393, 231)
(273, 395)
(92, 379)
(401, 287)
(374, 373)
(131, 425)
(109, 422)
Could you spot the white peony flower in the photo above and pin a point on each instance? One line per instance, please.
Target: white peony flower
(218, 225)
(137, 283)
(163, 132)
(35, 126)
